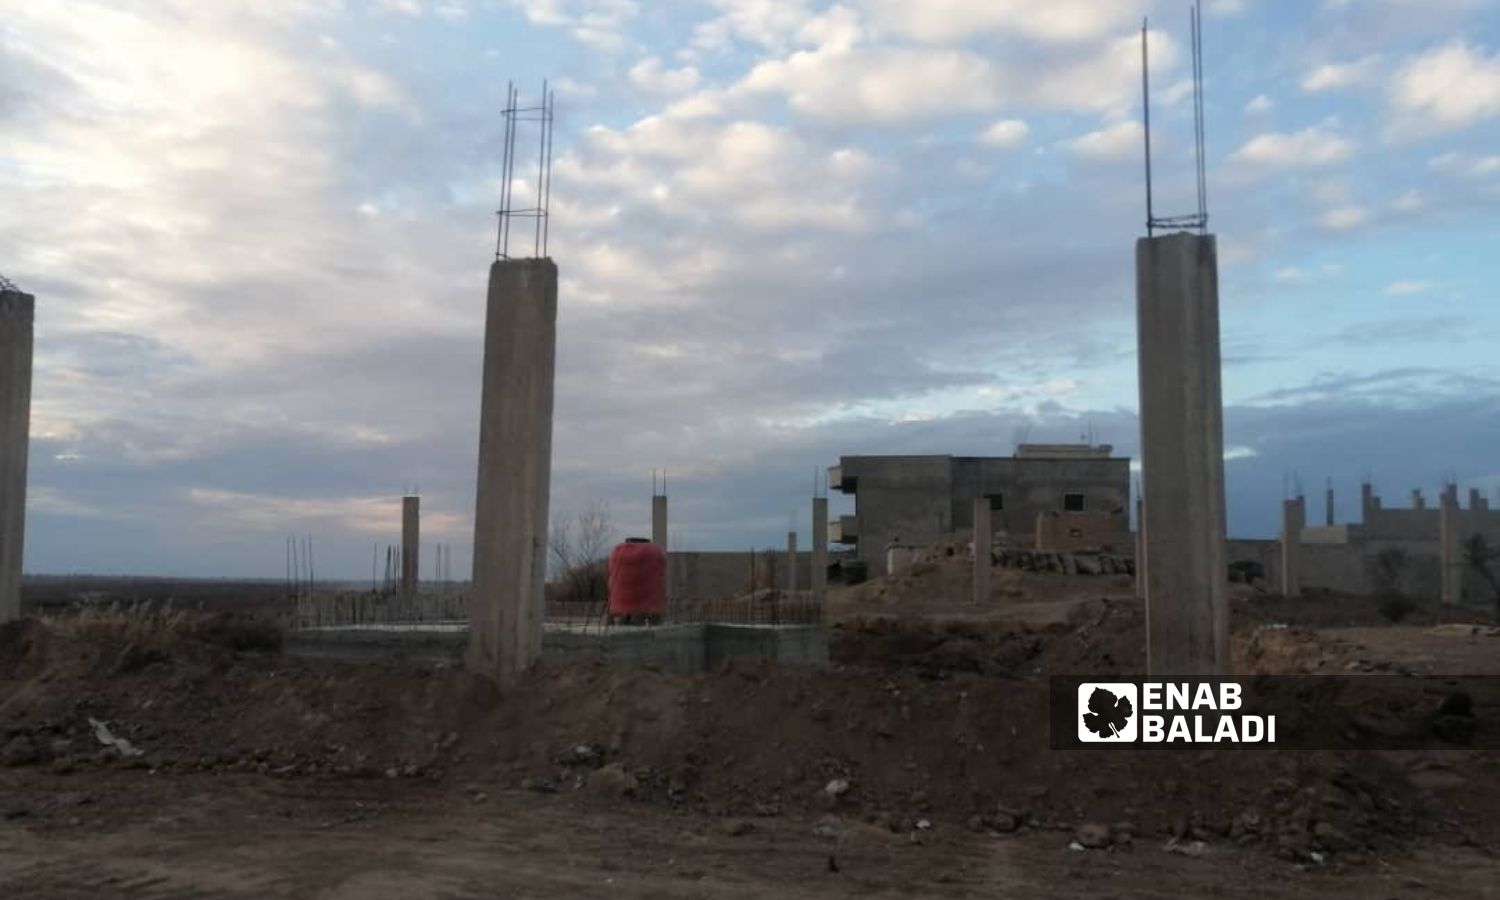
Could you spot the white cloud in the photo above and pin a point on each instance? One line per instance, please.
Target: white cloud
(597, 23)
(1260, 104)
(1446, 88)
(1307, 148)
(1465, 165)
(1410, 201)
(1344, 218)
(1114, 142)
(1337, 76)
(1057, 21)
(1291, 275)
(650, 75)
(1005, 134)
(1407, 288)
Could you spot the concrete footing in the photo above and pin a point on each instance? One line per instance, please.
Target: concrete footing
(1182, 450)
(515, 468)
(17, 312)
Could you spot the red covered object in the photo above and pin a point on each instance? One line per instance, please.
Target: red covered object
(637, 579)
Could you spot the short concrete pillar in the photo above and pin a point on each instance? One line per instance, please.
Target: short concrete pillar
(515, 468)
(1328, 507)
(983, 535)
(1450, 546)
(411, 543)
(1476, 499)
(791, 563)
(17, 311)
(1293, 518)
(1182, 457)
(819, 574)
(1417, 500)
(1368, 502)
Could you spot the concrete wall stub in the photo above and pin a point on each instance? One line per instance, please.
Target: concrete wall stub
(411, 544)
(1293, 519)
(819, 575)
(515, 468)
(1182, 442)
(17, 314)
(983, 538)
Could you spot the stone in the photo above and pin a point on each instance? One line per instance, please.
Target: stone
(611, 780)
(1093, 835)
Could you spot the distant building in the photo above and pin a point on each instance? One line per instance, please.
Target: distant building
(1055, 489)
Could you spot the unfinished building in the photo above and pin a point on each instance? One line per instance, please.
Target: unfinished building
(1055, 496)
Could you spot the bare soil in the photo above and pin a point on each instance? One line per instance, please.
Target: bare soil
(266, 776)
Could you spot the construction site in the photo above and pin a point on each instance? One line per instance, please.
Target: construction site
(903, 700)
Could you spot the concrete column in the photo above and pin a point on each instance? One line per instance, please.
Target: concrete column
(1328, 507)
(819, 574)
(1140, 549)
(1476, 500)
(1293, 518)
(411, 544)
(17, 311)
(515, 468)
(1450, 546)
(659, 520)
(1417, 500)
(983, 535)
(1368, 503)
(1182, 457)
(791, 563)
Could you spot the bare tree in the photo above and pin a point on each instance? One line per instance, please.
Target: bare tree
(579, 547)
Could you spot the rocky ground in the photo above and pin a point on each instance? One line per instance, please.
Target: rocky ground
(918, 764)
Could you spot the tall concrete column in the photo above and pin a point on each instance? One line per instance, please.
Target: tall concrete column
(411, 543)
(1140, 549)
(1476, 500)
(1368, 502)
(1328, 506)
(1450, 546)
(1293, 518)
(659, 520)
(983, 536)
(17, 311)
(791, 563)
(1417, 500)
(515, 468)
(1182, 454)
(819, 574)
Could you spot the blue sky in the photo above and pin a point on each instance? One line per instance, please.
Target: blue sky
(259, 233)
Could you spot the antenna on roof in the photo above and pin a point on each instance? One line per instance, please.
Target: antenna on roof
(1199, 219)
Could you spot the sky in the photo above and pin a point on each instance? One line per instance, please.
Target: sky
(259, 234)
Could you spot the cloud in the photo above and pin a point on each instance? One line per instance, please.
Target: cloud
(1111, 143)
(1344, 218)
(1466, 165)
(650, 75)
(1005, 134)
(1259, 105)
(1338, 76)
(1446, 88)
(1056, 21)
(1311, 147)
(1407, 288)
